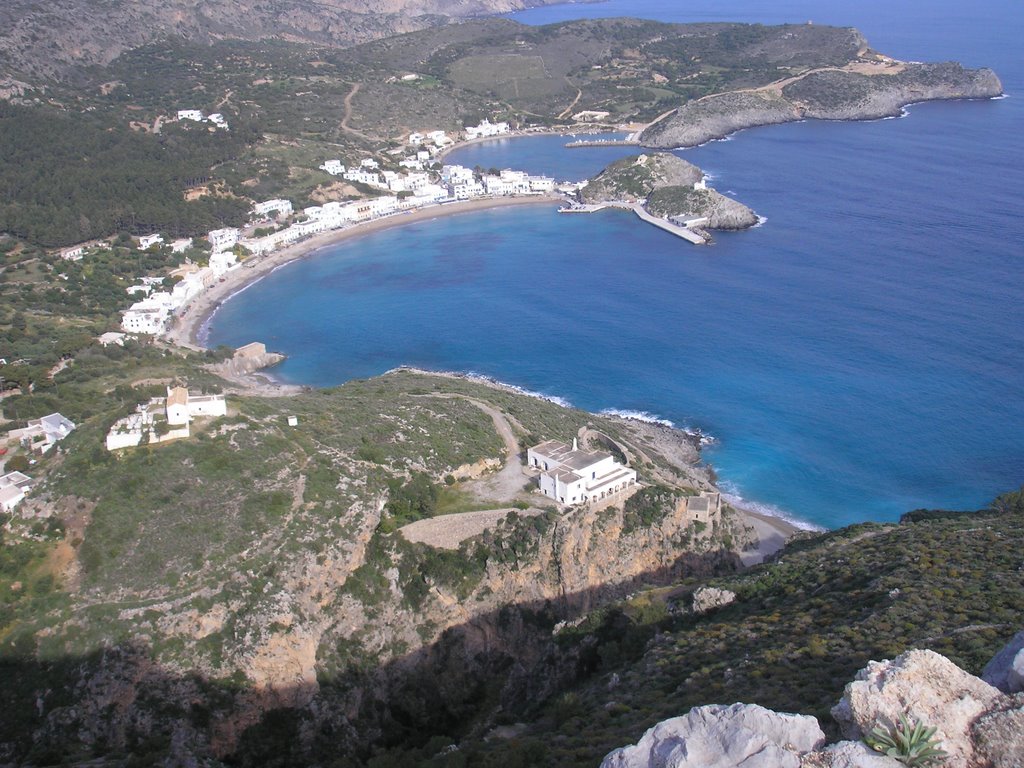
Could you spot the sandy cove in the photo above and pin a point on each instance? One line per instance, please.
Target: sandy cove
(772, 531)
(189, 320)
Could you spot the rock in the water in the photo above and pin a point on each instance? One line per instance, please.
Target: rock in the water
(720, 736)
(999, 736)
(708, 598)
(924, 686)
(669, 187)
(1006, 670)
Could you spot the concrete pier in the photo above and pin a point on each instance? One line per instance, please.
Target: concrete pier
(602, 143)
(684, 232)
(679, 230)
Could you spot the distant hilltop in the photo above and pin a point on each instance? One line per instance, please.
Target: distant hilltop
(49, 39)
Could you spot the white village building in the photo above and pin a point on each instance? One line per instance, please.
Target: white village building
(147, 241)
(333, 167)
(571, 476)
(222, 239)
(485, 128)
(282, 207)
(179, 409)
(111, 337)
(221, 262)
(42, 434)
(195, 115)
(182, 245)
(13, 487)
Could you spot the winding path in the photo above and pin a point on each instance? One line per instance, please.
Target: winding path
(348, 113)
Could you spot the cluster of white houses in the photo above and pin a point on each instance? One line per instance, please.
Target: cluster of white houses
(150, 314)
(485, 129)
(571, 476)
(38, 436)
(413, 186)
(164, 418)
(412, 189)
(217, 120)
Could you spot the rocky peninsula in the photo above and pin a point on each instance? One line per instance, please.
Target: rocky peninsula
(869, 88)
(669, 188)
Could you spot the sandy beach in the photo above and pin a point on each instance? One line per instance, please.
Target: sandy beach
(188, 320)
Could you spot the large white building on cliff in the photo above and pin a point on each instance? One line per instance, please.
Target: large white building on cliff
(571, 476)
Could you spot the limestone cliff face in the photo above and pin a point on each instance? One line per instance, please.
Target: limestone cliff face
(829, 94)
(502, 632)
(359, 637)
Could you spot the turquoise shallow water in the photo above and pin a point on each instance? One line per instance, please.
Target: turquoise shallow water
(859, 355)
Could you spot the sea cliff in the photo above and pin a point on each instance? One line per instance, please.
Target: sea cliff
(856, 92)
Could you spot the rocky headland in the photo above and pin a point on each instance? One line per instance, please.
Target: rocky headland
(869, 89)
(668, 187)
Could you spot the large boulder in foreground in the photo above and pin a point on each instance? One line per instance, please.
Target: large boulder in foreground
(1006, 670)
(719, 736)
(925, 687)
(978, 726)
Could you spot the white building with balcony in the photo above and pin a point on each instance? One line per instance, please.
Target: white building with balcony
(333, 167)
(280, 207)
(222, 239)
(571, 476)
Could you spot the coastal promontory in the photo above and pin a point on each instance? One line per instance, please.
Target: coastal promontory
(870, 88)
(668, 187)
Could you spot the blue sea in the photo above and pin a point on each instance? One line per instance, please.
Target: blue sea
(859, 355)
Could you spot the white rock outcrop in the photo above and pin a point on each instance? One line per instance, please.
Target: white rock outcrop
(978, 725)
(926, 687)
(720, 736)
(709, 598)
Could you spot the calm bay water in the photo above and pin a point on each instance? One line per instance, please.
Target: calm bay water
(860, 354)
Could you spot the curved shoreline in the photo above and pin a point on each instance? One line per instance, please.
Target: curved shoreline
(193, 316)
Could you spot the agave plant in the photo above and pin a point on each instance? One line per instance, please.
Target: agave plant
(912, 744)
